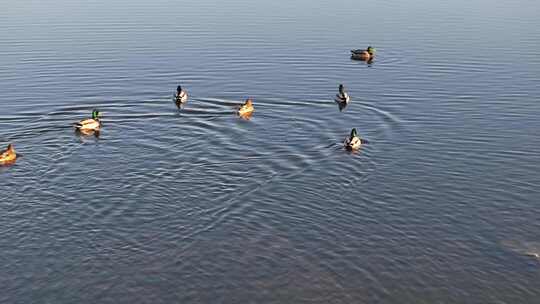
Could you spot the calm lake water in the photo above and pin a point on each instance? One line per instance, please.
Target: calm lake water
(441, 204)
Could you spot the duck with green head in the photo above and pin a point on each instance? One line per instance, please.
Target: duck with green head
(366, 55)
(91, 124)
(342, 96)
(353, 141)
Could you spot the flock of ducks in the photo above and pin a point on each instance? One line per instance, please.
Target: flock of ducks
(93, 124)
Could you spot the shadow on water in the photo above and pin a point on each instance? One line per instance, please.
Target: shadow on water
(82, 135)
(368, 62)
(246, 116)
(341, 105)
(10, 163)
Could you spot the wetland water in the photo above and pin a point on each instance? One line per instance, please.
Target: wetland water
(198, 206)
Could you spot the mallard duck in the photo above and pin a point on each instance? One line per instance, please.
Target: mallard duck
(342, 96)
(246, 108)
(352, 142)
(181, 96)
(8, 155)
(89, 125)
(367, 54)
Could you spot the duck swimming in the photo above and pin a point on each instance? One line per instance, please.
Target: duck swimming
(533, 254)
(246, 108)
(89, 125)
(352, 142)
(8, 156)
(181, 96)
(365, 55)
(342, 96)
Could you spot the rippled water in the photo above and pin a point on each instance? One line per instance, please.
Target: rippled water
(199, 206)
